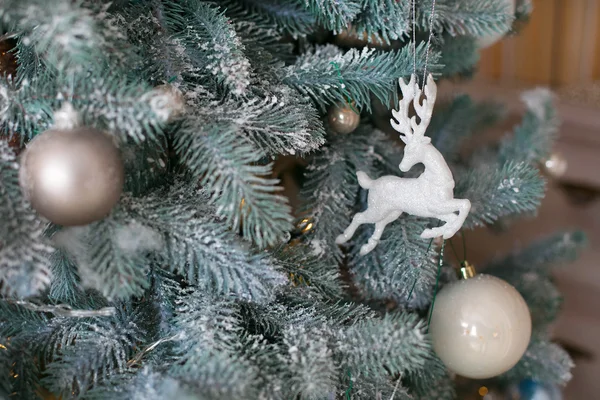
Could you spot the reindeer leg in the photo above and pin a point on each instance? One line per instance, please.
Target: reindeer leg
(451, 227)
(439, 230)
(379, 227)
(358, 220)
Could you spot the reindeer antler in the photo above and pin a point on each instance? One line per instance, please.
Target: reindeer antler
(401, 121)
(412, 93)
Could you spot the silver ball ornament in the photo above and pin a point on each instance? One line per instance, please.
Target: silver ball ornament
(343, 119)
(555, 166)
(72, 176)
(480, 327)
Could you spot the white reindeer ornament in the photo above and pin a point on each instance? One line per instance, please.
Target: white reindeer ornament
(429, 195)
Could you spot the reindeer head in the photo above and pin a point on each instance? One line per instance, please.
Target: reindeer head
(413, 132)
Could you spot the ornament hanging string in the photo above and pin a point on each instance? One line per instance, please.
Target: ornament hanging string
(428, 39)
(414, 40)
(414, 43)
(437, 281)
(349, 390)
(454, 251)
(415, 281)
(343, 86)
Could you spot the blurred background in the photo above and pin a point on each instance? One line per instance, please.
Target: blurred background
(558, 48)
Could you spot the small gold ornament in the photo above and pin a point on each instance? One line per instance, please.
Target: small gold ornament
(556, 166)
(343, 119)
(302, 228)
(305, 225)
(72, 176)
(167, 101)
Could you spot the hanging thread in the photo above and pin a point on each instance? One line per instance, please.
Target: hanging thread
(464, 240)
(414, 43)
(437, 281)
(414, 40)
(429, 40)
(343, 86)
(454, 251)
(349, 386)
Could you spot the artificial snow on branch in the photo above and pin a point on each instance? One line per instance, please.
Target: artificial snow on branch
(382, 21)
(496, 192)
(231, 171)
(24, 251)
(466, 17)
(210, 42)
(334, 15)
(117, 104)
(290, 16)
(363, 73)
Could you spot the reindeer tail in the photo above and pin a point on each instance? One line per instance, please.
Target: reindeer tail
(363, 180)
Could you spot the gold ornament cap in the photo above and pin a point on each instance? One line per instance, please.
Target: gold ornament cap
(467, 271)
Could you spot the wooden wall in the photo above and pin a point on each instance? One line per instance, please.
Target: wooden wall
(560, 46)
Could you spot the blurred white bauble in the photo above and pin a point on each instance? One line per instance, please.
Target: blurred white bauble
(480, 327)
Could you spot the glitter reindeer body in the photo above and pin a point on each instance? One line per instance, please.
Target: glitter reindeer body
(429, 195)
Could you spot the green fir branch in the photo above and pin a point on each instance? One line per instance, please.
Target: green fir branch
(278, 120)
(290, 16)
(25, 375)
(544, 362)
(543, 255)
(128, 109)
(144, 384)
(228, 168)
(102, 348)
(514, 188)
(65, 286)
(389, 345)
(196, 245)
(374, 387)
(334, 15)
(208, 345)
(316, 74)
(382, 21)
(456, 120)
(431, 381)
(211, 43)
(402, 267)
(533, 139)
(307, 270)
(24, 251)
(459, 56)
(311, 369)
(465, 17)
(111, 254)
(264, 45)
(71, 36)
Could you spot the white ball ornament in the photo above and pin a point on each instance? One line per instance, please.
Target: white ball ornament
(555, 166)
(480, 327)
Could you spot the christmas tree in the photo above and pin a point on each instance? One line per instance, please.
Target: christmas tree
(147, 250)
